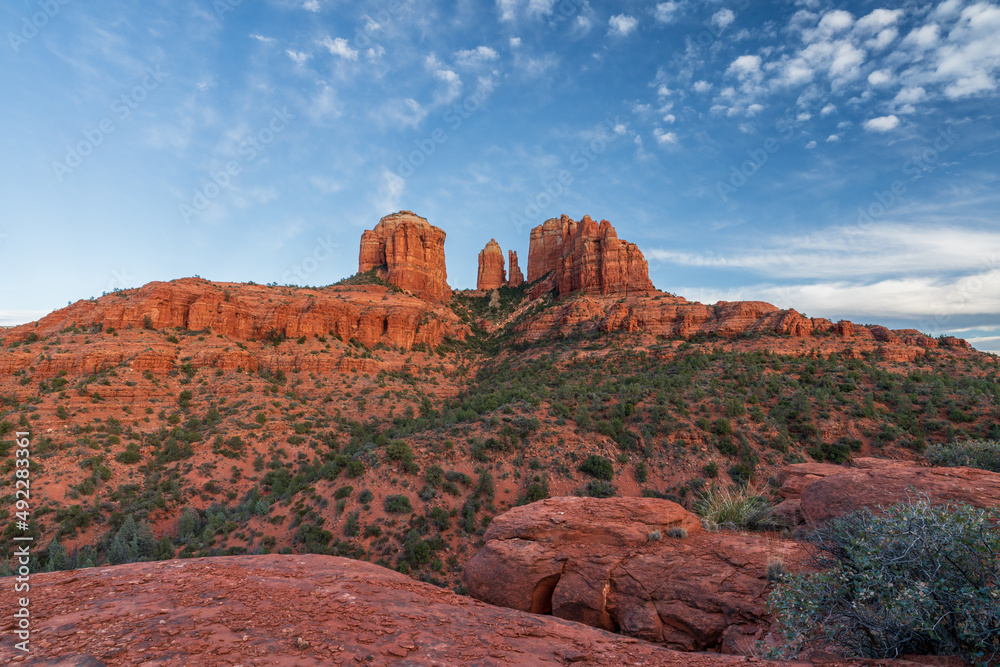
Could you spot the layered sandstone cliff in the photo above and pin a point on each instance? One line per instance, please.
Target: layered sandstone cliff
(224, 313)
(585, 257)
(408, 252)
(491, 273)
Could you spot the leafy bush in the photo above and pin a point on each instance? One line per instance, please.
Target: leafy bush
(918, 579)
(984, 454)
(599, 489)
(598, 467)
(398, 504)
(736, 508)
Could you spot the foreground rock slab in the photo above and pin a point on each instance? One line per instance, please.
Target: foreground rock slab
(295, 610)
(613, 564)
(303, 611)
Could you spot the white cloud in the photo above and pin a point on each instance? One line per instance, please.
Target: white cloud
(880, 77)
(261, 38)
(910, 95)
(811, 144)
(476, 57)
(340, 47)
(515, 42)
(702, 86)
(835, 21)
(833, 138)
(970, 60)
(582, 25)
(311, 5)
(827, 110)
(508, 9)
(879, 20)
(542, 7)
(882, 123)
(887, 250)
(746, 68)
(847, 60)
(664, 138)
(883, 39)
(390, 192)
(925, 37)
(299, 57)
(723, 18)
(621, 25)
(666, 12)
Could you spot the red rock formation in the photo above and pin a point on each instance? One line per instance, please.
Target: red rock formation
(851, 490)
(370, 314)
(408, 252)
(491, 273)
(592, 561)
(303, 610)
(585, 257)
(516, 278)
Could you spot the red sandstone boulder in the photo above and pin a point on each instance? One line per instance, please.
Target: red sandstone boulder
(585, 257)
(516, 278)
(302, 610)
(594, 561)
(851, 490)
(491, 273)
(409, 253)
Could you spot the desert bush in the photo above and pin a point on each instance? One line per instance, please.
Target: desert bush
(598, 467)
(736, 508)
(398, 504)
(984, 454)
(917, 579)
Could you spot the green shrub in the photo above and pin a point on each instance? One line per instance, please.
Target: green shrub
(918, 579)
(984, 454)
(130, 455)
(398, 504)
(598, 467)
(599, 489)
(736, 508)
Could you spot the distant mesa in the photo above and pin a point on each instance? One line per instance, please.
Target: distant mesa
(408, 252)
(584, 257)
(491, 273)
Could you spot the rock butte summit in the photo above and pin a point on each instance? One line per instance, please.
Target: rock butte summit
(564, 255)
(408, 252)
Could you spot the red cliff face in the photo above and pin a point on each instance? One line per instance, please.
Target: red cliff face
(516, 278)
(491, 268)
(407, 251)
(585, 257)
(234, 313)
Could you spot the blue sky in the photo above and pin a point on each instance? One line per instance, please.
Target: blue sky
(840, 158)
